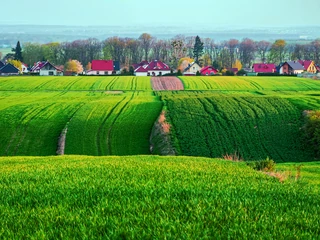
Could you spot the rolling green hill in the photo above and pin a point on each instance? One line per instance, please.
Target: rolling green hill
(150, 197)
(254, 117)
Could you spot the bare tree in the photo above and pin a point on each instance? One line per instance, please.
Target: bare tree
(146, 41)
(247, 51)
(262, 49)
(232, 45)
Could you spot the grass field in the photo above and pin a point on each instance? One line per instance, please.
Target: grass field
(253, 127)
(255, 117)
(99, 83)
(249, 83)
(99, 123)
(150, 197)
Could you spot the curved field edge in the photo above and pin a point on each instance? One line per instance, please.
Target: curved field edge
(252, 127)
(150, 196)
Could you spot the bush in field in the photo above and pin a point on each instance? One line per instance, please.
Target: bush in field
(229, 73)
(241, 72)
(312, 130)
(262, 165)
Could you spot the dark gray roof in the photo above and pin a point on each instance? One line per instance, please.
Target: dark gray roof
(9, 68)
(1, 64)
(295, 65)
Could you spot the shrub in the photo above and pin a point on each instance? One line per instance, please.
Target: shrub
(229, 73)
(198, 73)
(312, 130)
(241, 72)
(262, 165)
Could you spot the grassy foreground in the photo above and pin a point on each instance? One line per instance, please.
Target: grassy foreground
(150, 197)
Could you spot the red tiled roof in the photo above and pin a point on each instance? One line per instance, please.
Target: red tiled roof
(141, 69)
(102, 65)
(39, 65)
(208, 70)
(264, 67)
(305, 63)
(155, 65)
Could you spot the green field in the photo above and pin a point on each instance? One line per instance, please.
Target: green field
(141, 197)
(99, 83)
(254, 127)
(153, 197)
(98, 123)
(255, 117)
(249, 83)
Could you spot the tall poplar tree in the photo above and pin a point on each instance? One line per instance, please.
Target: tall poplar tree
(18, 52)
(197, 49)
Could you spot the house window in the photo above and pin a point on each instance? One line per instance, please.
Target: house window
(160, 73)
(194, 68)
(50, 73)
(105, 73)
(148, 74)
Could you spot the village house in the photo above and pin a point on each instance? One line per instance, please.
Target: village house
(153, 68)
(308, 65)
(208, 71)
(264, 68)
(192, 69)
(46, 69)
(291, 67)
(104, 67)
(9, 69)
(24, 68)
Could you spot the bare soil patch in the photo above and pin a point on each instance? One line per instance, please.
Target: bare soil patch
(166, 83)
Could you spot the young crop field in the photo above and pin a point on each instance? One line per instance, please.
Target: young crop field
(253, 127)
(223, 83)
(73, 83)
(142, 197)
(97, 123)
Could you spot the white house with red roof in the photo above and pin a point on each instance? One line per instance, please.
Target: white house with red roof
(208, 71)
(24, 68)
(46, 69)
(104, 67)
(264, 68)
(153, 68)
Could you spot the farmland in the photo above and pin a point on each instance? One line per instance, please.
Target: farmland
(140, 196)
(99, 83)
(150, 197)
(31, 122)
(253, 127)
(254, 117)
(249, 84)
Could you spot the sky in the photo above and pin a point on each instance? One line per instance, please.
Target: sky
(216, 13)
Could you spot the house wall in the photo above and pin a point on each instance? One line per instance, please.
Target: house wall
(48, 72)
(285, 69)
(150, 73)
(139, 74)
(193, 69)
(99, 73)
(24, 69)
(312, 68)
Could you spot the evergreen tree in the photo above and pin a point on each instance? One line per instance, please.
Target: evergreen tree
(197, 49)
(18, 52)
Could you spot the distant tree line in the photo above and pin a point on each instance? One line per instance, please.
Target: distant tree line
(127, 51)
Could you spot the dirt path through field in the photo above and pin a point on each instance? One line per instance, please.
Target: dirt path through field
(166, 83)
